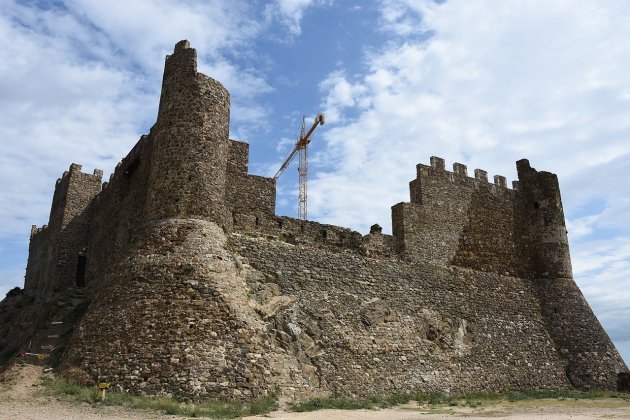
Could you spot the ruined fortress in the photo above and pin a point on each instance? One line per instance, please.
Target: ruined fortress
(197, 289)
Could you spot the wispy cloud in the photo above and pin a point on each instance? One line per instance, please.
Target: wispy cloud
(291, 12)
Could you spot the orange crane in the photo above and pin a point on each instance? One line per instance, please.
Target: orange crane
(301, 146)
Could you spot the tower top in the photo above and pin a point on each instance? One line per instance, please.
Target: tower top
(182, 45)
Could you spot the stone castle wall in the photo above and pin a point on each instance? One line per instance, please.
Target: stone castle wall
(202, 290)
(119, 210)
(380, 325)
(453, 218)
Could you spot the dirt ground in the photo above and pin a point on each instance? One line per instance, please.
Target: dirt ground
(20, 399)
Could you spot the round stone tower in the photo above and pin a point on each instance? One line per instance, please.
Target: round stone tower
(190, 150)
(592, 361)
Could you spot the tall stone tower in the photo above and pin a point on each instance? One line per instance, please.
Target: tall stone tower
(592, 360)
(56, 249)
(547, 232)
(191, 146)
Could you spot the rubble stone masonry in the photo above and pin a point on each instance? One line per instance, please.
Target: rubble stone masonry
(199, 290)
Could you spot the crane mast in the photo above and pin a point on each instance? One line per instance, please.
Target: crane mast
(301, 148)
(302, 175)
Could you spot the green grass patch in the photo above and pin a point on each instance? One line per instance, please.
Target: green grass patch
(60, 388)
(332, 403)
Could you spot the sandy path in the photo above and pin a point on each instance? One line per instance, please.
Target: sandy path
(19, 399)
(527, 410)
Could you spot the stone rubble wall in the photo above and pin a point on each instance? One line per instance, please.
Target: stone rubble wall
(245, 192)
(176, 317)
(542, 221)
(593, 362)
(374, 326)
(38, 261)
(297, 231)
(180, 168)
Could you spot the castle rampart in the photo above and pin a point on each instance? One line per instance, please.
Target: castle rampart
(203, 290)
(245, 192)
(119, 211)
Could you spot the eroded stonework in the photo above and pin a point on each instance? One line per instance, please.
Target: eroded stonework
(199, 290)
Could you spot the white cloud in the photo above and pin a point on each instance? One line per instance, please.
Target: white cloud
(145, 30)
(583, 226)
(342, 94)
(291, 12)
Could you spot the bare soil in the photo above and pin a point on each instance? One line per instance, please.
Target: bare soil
(20, 398)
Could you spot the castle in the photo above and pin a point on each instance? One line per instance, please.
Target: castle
(197, 288)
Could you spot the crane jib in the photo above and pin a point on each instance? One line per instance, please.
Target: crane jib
(302, 141)
(301, 145)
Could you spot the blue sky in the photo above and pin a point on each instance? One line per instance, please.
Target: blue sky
(484, 83)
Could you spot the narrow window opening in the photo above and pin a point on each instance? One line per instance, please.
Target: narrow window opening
(80, 277)
(301, 228)
(324, 234)
(132, 166)
(257, 221)
(536, 205)
(280, 224)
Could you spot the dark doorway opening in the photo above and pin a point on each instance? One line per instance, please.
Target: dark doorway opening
(80, 279)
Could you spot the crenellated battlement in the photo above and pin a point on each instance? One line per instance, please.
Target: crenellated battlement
(296, 231)
(75, 169)
(37, 230)
(437, 168)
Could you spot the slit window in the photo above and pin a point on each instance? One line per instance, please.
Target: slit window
(80, 277)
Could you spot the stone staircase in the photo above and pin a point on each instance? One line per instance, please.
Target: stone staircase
(56, 327)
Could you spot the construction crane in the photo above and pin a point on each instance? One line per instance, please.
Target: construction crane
(301, 147)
